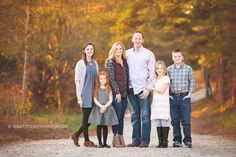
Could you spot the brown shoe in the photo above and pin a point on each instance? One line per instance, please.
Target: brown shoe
(75, 139)
(116, 142)
(89, 144)
(143, 145)
(133, 145)
(122, 141)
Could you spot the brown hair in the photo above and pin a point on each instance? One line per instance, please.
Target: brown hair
(177, 51)
(97, 83)
(84, 54)
(139, 32)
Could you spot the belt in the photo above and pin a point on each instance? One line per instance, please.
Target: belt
(179, 94)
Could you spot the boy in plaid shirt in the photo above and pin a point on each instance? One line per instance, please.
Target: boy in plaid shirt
(182, 85)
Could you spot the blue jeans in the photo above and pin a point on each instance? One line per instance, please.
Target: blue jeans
(140, 118)
(120, 112)
(180, 111)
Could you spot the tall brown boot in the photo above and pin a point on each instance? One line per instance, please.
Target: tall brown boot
(116, 142)
(122, 141)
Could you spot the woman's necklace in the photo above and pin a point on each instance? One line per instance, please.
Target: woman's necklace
(89, 60)
(120, 61)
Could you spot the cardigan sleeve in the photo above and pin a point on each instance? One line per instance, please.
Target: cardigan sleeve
(97, 66)
(111, 75)
(127, 73)
(79, 68)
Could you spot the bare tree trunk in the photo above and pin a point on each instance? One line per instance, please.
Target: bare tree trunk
(207, 83)
(223, 86)
(25, 73)
(59, 100)
(233, 88)
(58, 92)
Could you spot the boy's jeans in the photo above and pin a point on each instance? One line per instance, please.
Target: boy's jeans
(180, 112)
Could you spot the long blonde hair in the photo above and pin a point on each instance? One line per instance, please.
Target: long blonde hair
(112, 56)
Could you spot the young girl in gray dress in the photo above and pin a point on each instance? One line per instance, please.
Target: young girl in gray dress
(103, 113)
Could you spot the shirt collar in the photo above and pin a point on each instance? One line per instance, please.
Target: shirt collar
(137, 49)
(181, 66)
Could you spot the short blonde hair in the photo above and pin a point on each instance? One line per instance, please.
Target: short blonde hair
(163, 65)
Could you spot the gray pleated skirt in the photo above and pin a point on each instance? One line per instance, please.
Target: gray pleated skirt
(107, 118)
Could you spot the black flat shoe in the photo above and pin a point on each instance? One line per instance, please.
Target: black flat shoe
(106, 146)
(100, 146)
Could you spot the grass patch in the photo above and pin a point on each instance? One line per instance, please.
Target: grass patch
(11, 134)
(207, 118)
(73, 121)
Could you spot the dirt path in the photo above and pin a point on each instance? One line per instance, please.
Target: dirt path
(203, 145)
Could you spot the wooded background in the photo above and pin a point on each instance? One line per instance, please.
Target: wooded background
(41, 41)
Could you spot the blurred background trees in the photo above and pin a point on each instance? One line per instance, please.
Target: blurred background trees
(54, 32)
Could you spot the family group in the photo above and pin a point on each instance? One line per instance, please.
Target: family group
(157, 94)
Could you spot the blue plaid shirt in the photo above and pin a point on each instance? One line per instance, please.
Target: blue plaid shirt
(182, 79)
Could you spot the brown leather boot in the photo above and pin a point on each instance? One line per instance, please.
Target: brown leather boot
(116, 142)
(75, 139)
(122, 141)
(89, 144)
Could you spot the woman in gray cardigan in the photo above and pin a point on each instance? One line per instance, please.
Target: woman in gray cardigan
(86, 70)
